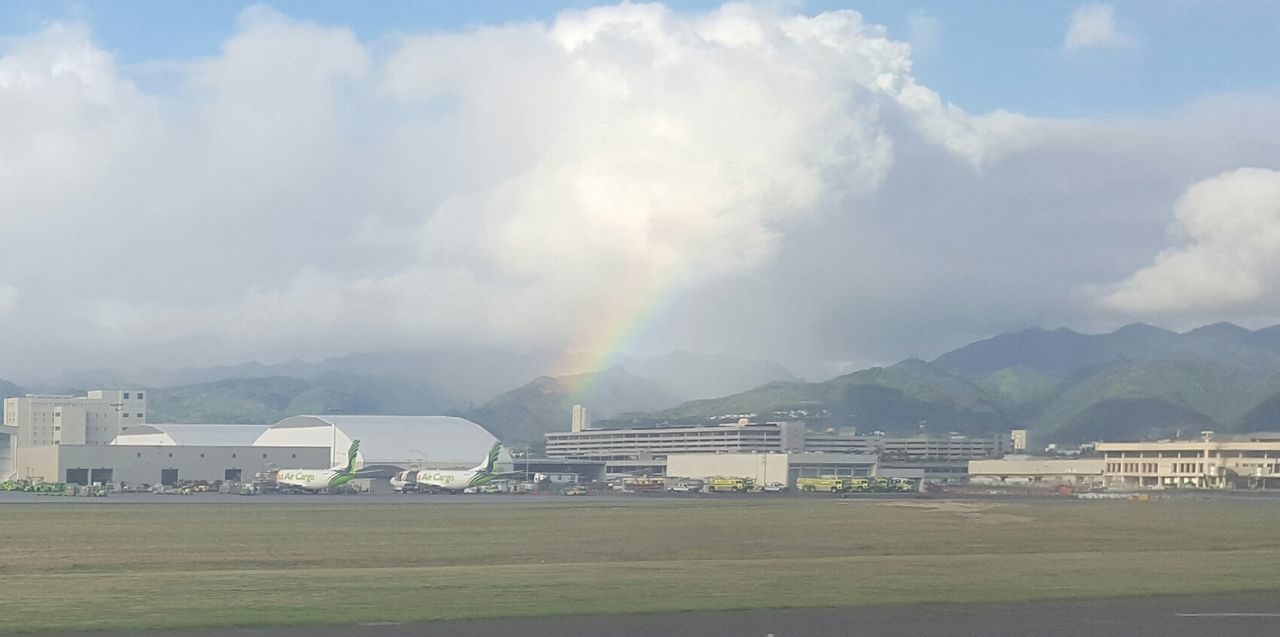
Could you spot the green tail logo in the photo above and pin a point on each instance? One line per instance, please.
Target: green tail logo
(491, 462)
(349, 472)
(351, 456)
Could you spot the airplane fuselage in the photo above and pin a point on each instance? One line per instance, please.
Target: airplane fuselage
(312, 479)
(439, 480)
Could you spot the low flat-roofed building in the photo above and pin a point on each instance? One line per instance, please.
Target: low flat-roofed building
(930, 470)
(765, 468)
(1248, 462)
(1043, 471)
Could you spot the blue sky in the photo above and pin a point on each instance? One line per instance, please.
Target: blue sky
(983, 55)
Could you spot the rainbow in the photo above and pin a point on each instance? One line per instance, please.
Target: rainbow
(624, 325)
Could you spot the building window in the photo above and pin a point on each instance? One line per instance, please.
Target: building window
(264, 456)
(139, 415)
(170, 455)
(202, 455)
(126, 414)
(233, 455)
(139, 454)
(126, 395)
(139, 395)
(293, 455)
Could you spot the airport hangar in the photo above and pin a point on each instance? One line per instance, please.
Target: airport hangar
(169, 454)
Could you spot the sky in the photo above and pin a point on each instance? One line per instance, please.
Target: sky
(826, 184)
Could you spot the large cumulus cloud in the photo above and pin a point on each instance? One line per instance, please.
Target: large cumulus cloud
(1232, 261)
(782, 180)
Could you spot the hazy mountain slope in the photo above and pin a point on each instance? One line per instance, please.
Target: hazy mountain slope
(266, 400)
(1060, 351)
(896, 398)
(1022, 391)
(1129, 419)
(459, 379)
(686, 376)
(9, 390)
(1218, 393)
(1264, 416)
(545, 404)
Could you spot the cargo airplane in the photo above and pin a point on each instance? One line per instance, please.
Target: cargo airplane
(436, 480)
(317, 480)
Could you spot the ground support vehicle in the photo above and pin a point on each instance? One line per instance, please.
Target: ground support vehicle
(575, 490)
(721, 484)
(903, 485)
(860, 485)
(828, 484)
(643, 484)
(881, 485)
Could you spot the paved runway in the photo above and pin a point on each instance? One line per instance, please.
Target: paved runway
(1244, 614)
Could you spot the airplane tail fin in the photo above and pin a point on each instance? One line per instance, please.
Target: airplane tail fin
(490, 463)
(350, 467)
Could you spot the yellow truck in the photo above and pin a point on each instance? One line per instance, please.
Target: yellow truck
(829, 484)
(720, 484)
(860, 485)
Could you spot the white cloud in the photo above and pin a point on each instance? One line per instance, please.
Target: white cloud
(1233, 260)
(1094, 26)
(8, 299)
(304, 193)
(522, 170)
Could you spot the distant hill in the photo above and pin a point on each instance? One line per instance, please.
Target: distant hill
(686, 376)
(544, 405)
(9, 390)
(1068, 387)
(456, 379)
(899, 398)
(1264, 416)
(266, 400)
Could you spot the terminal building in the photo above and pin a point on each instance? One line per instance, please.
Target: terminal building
(648, 450)
(1249, 462)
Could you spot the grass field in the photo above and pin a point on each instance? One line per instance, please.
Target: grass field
(89, 566)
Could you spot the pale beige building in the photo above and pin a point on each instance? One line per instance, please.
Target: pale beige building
(1206, 463)
(43, 420)
(766, 468)
(1047, 472)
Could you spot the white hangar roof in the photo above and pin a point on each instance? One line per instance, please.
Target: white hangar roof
(427, 441)
(190, 435)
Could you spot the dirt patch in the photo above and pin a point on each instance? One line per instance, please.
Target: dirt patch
(979, 512)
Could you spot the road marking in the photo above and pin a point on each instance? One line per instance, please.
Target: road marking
(1227, 614)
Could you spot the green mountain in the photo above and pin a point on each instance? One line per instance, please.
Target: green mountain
(899, 399)
(1264, 416)
(1138, 381)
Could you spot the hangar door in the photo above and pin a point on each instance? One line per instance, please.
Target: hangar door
(169, 477)
(101, 475)
(77, 476)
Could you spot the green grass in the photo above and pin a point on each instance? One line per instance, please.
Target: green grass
(88, 566)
